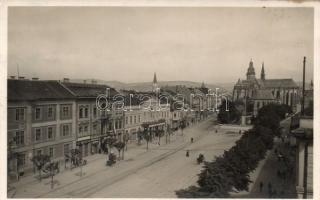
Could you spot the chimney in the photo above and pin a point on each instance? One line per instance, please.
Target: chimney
(67, 80)
(35, 78)
(21, 77)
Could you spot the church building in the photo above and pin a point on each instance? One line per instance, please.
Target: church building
(255, 93)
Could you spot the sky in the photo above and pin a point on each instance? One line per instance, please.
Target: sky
(129, 44)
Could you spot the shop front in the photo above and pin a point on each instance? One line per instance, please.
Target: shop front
(83, 145)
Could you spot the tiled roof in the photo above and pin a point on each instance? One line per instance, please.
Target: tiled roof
(263, 95)
(268, 83)
(246, 83)
(26, 90)
(181, 90)
(276, 83)
(88, 90)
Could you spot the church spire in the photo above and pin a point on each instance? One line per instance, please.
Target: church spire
(154, 83)
(155, 78)
(262, 75)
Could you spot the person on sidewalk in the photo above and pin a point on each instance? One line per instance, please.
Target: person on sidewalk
(261, 186)
(187, 154)
(192, 140)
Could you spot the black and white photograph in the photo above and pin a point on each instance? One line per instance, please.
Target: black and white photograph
(169, 101)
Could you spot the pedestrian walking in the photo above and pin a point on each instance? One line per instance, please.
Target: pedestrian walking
(187, 154)
(192, 140)
(261, 186)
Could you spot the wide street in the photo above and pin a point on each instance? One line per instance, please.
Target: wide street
(158, 172)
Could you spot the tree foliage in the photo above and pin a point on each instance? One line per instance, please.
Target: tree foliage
(230, 171)
(228, 113)
(40, 161)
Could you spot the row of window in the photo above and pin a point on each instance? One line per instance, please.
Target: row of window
(21, 157)
(84, 111)
(48, 133)
(45, 112)
(134, 119)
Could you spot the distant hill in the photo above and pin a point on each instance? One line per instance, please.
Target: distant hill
(147, 86)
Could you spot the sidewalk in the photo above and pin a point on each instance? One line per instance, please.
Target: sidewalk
(133, 157)
(280, 187)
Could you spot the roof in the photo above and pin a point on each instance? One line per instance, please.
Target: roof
(26, 90)
(88, 90)
(263, 94)
(279, 83)
(180, 90)
(247, 83)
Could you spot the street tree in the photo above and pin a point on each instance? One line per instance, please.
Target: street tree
(39, 161)
(230, 115)
(183, 124)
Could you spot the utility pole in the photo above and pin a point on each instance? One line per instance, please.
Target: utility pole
(18, 70)
(303, 84)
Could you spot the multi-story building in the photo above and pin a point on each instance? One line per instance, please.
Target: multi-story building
(41, 120)
(93, 125)
(304, 157)
(140, 110)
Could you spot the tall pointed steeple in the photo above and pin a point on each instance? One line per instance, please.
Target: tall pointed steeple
(155, 78)
(154, 83)
(262, 75)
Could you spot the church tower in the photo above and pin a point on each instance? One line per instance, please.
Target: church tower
(251, 75)
(203, 85)
(154, 83)
(262, 75)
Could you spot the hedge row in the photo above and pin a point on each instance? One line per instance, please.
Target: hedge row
(230, 171)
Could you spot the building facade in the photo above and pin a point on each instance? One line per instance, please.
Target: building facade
(94, 125)
(40, 121)
(256, 92)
